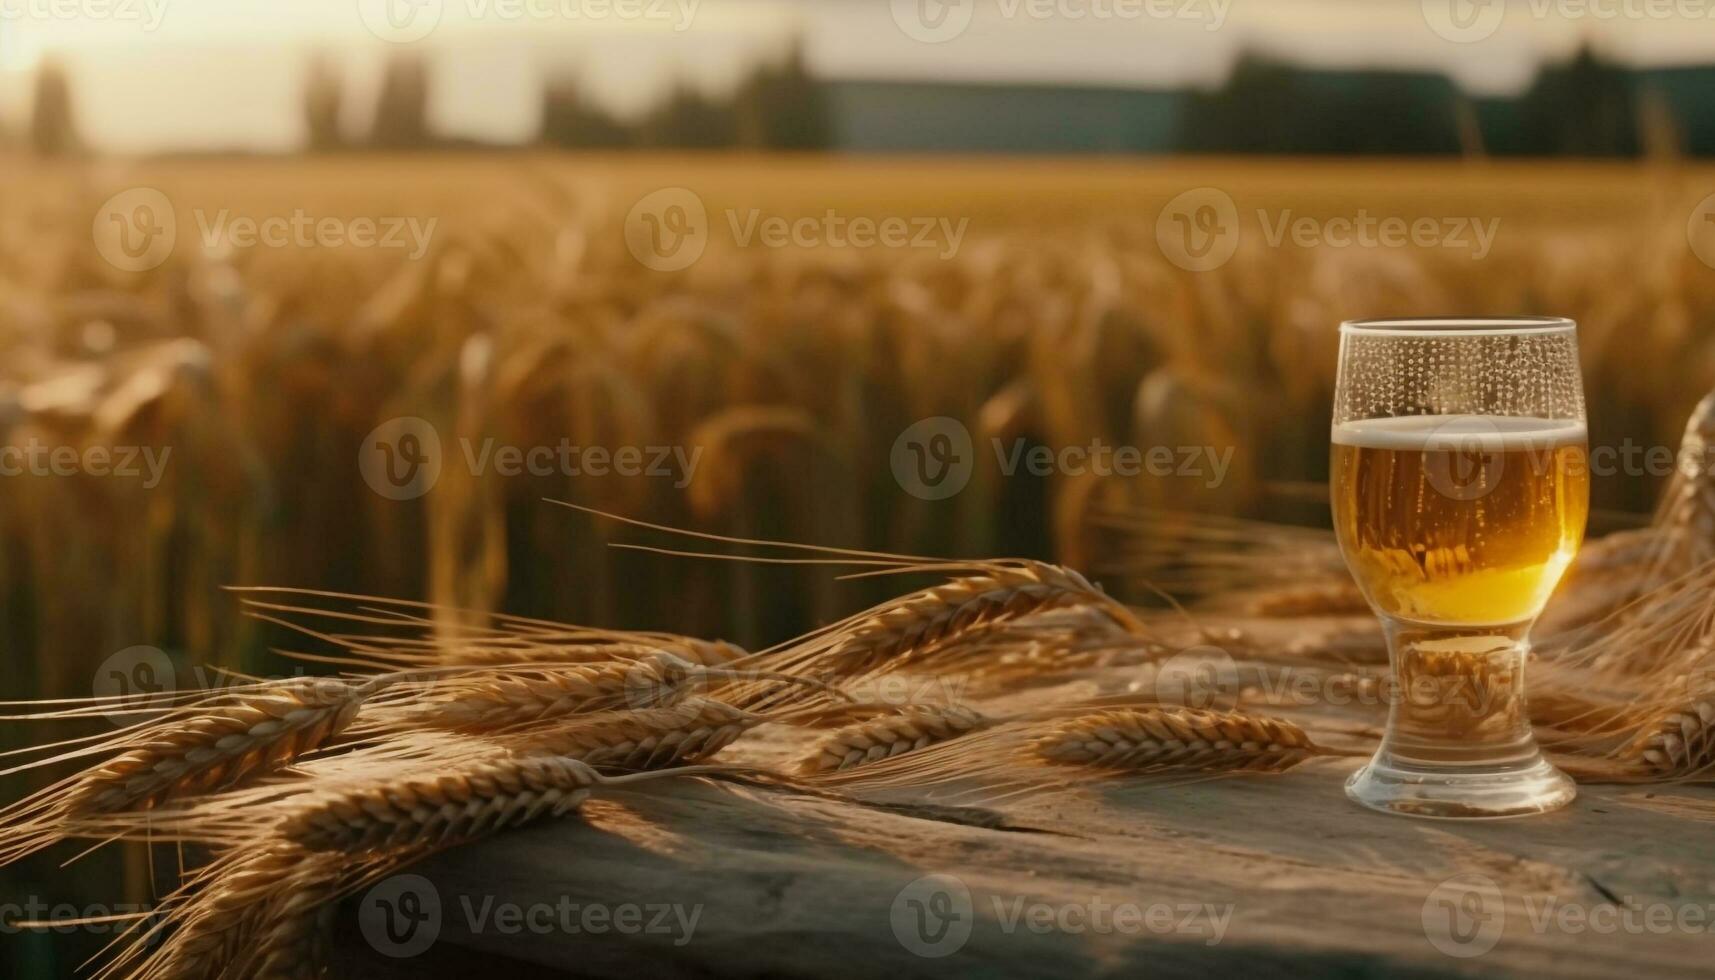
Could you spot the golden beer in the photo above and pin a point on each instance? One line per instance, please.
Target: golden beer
(1460, 520)
(1458, 525)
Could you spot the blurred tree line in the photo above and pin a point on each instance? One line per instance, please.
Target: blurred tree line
(1585, 107)
(776, 107)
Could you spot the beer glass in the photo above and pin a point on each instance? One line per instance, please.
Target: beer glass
(1460, 484)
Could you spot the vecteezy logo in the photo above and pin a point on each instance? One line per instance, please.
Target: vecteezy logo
(401, 458)
(1199, 229)
(933, 459)
(135, 230)
(661, 682)
(667, 230)
(1465, 457)
(1196, 677)
(1700, 231)
(1464, 916)
(933, 21)
(1464, 21)
(139, 678)
(400, 21)
(401, 916)
(932, 916)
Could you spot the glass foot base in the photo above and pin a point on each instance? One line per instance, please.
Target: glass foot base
(1458, 793)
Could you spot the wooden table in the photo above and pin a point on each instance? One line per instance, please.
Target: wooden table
(1269, 875)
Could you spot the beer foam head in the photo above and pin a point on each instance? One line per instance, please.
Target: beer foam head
(1461, 433)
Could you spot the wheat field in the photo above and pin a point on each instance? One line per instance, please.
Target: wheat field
(791, 371)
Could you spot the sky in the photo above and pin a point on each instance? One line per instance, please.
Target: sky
(156, 75)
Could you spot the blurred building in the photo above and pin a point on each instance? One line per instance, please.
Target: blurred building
(886, 116)
(1584, 108)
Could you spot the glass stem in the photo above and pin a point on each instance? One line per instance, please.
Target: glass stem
(1458, 698)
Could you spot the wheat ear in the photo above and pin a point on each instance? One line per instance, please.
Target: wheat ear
(292, 939)
(923, 620)
(223, 747)
(1678, 745)
(503, 698)
(884, 737)
(654, 738)
(465, 802)
(240, 911)
(1176, 739)
(1687, 509)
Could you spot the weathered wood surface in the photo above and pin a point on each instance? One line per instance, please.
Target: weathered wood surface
(1306, 882)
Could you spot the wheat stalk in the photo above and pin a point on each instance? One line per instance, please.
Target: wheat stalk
(508, 699)
(418, 639)
(1039, 646)
(703, 653)
(706, 653)
(1210, 554)
(1177, 739)
(884, 737)
(1338, 597)
(1662, 634)
(222, 748)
